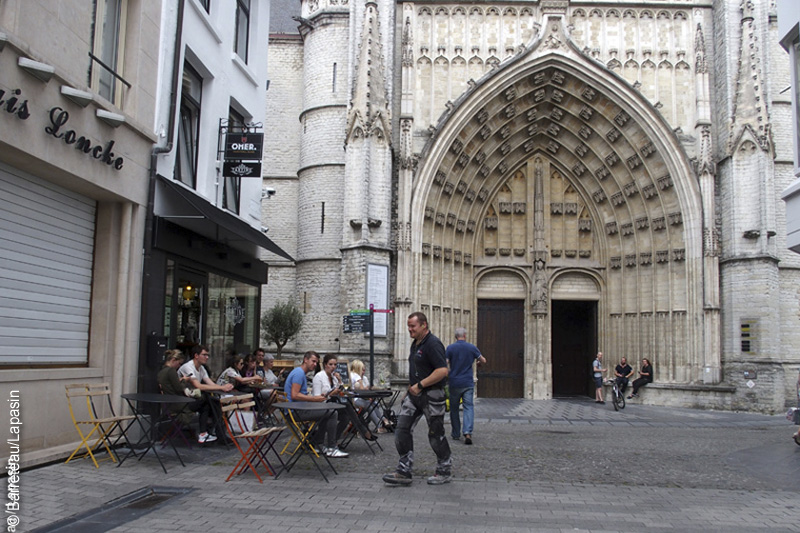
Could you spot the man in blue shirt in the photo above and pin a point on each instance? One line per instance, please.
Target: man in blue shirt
(296, 389)
(460, 356)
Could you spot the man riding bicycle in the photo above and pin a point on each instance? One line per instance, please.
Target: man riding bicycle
(623, 371)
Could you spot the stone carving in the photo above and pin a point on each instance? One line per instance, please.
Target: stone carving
(665, 182)
(599, 196)
(648, 149)
(429, 213)
(585, 224)
(505, 131)
(585, 254)
(426, 248)
(519, 252)
(531, 115)
(612, 159)
(528, 146)
(438, 179)
(612, 135)
(627, 229)
(519, 208)
(662, 256)
(467, 261)
(457, 256)
(556, 114)
(539, 95)
(615, 262)
(579, 169)
(490, 251)
(581, 150)
(602, 173)
(502, 167)
(471, 226)
(589, 94)
(554, 130)
(557, 77)
(553, 147)
(649, 191)
(570, 208)
(505, 252)
(630, 189)
(659, 224)
(570, 253)
(485, 132)
(585, 132)
(645, 258)
(470, 196)
(538, 78)
(510, 93)
(622, 118)
(484, 170)
(463, 159)
(679, 254)
(490, 223)
(510, 111)
(611, 228)
(440, 219)
(462, 186)
(556, 208)
(505, 208)
(457, 147)
(533, 129)
(556, 96)
(555, 253)
(448, 254)
(633, 162)
(437, 252)
(480, 157)
(461, 225)
(586, 113)
(630, 260)
(642, 223)
(505, 148)
(448, 188)
(675, 219)
(451, 219)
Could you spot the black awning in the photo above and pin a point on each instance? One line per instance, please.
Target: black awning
(193, 212)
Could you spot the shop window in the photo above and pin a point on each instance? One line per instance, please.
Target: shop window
(108, 49)
(242, 31)
(189, 127)
(748, 336)
(232, 323)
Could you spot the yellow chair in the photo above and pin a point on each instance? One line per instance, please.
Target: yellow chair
(95, 419)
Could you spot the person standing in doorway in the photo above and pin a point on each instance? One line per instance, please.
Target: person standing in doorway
(427, 371)
(597, 374)
(460, 356)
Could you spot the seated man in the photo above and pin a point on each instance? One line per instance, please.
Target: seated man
(623, 373)
(197, 376)
(296, 389)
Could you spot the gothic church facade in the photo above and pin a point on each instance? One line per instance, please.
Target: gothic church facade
(558, 177)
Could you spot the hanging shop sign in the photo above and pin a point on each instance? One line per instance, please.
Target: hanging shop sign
(243, 155)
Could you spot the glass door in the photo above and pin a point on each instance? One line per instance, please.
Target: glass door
(190, 303)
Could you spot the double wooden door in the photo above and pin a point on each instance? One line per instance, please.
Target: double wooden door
(501, 339)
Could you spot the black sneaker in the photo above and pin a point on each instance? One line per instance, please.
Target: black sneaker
(396, 478)
(468, 440)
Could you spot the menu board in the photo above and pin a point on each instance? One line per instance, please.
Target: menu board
(378, 295)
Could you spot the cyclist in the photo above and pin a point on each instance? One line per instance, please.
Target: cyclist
(623, 371)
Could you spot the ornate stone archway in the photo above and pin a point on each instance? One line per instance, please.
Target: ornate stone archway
(553, 162)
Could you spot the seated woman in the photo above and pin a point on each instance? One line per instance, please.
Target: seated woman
(328, 382)
(233, 375)
(360, 381)
(645, 377)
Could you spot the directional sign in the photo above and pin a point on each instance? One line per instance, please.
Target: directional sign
(359, 311)
(355, 323)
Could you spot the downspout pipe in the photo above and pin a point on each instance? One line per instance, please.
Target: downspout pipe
(146, 383)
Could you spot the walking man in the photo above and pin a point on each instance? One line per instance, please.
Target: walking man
(460, 356)
(597, 374)
(427, 370)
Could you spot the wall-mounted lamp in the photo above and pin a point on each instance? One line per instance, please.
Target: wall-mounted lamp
(112, 119)
(82, 98)
(40, 71)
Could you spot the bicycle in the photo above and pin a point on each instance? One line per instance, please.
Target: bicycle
(617, 397)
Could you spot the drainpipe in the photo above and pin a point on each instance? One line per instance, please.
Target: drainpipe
(151, 194)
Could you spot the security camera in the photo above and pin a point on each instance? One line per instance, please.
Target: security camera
(264, 229)
(268, 192)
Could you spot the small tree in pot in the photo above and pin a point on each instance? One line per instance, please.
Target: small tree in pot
(280, 324)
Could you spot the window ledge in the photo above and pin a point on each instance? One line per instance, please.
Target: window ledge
(244, 68)
(206, 20)
(42, 374)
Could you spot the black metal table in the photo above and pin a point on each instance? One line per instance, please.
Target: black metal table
(375, 398)
(138, 402)
(304, 434)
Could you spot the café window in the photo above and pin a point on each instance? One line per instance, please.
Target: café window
(242, 30)
(108, 32)
(189, 127)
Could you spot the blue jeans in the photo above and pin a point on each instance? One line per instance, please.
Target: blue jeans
(465, 395)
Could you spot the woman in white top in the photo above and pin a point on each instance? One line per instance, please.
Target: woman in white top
(360, 381)
(328, 382)
(233, 374)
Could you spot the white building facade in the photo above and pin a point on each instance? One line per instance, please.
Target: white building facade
(558, 177)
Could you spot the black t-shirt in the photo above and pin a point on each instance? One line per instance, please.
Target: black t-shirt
(426, 357)
(624, 370)
(647, 369)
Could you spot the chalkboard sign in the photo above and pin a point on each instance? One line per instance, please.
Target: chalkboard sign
(341, 368)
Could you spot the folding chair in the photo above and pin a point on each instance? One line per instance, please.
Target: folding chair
(302, 431)
(100, 421)
(176, 426)
(259, 441)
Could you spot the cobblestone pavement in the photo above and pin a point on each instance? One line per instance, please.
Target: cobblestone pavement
(557, 465)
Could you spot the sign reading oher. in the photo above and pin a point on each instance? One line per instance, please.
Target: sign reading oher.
(243, 155)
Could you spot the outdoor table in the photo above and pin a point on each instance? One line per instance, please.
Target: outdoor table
(374, 397)
(303, 434)
(137, 403)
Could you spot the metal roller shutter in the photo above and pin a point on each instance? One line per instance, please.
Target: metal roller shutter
(46, 254)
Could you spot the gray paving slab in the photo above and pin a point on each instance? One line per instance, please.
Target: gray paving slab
(560, 465)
